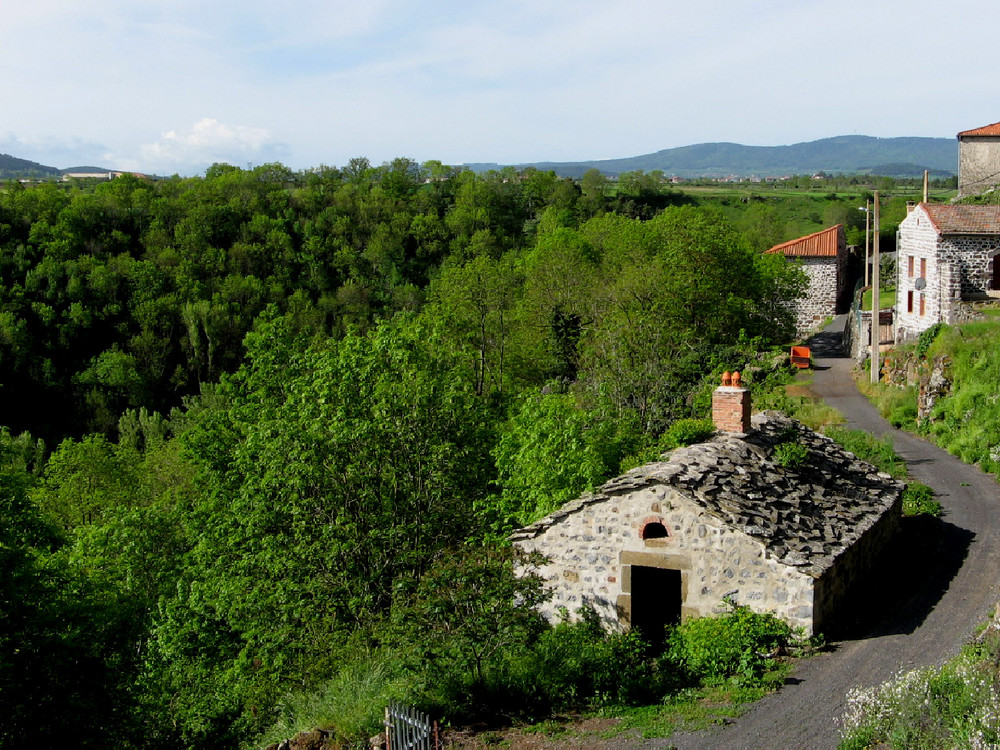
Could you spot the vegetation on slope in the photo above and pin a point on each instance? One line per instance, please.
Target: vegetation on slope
(258, 421)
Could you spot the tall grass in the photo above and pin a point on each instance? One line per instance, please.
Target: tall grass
(351, 703)
(967, 421)
(876, 451)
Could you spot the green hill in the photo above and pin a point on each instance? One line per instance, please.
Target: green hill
(13, 168)
(842, 154)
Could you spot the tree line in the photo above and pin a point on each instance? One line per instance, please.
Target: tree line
(248, 416)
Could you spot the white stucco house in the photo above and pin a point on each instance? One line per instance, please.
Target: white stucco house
(946, 256)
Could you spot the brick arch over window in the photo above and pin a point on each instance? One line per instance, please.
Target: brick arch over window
(653, 528)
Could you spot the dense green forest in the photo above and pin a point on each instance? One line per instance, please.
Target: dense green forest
(262, 424)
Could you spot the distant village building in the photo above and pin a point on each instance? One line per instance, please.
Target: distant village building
(978, 160)
(823, 256)
(946, 256)
(727, 518)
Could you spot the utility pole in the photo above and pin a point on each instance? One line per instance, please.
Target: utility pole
(925, 185)
(868, 218)
(876, 334)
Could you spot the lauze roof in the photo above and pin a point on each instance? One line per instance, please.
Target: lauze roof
(822, 244)
(804, 517)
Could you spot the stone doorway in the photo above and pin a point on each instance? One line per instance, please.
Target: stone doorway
(656, 600)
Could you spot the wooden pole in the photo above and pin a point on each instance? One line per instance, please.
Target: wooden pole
(876, 334)
(868, 216)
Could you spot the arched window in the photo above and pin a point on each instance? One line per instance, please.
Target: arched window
(653, 530)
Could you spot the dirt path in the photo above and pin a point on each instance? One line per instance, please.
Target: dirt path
(934, 588)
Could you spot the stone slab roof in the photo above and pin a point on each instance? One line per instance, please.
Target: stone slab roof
(993, 129)
(962, 219)
(822, 244)
(804, 517)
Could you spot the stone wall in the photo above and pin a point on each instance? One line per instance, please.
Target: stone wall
(978, 164)
(851, 566)
(594, 544)
(732, 520)
(824, 275)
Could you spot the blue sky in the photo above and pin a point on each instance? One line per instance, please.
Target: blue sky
(169, 87)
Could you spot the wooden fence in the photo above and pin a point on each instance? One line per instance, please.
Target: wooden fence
(406, 728)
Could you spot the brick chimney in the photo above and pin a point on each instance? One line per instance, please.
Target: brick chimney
(731, 405)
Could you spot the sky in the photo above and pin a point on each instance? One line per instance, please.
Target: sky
(173, 87)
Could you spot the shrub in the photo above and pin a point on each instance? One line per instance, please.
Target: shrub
(687, 432)
(735, 644)
(926, 338)
(791, 455)
(919, 500)
(904, 415)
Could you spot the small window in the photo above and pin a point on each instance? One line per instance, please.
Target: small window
(909, 267)
(923, 268)
(909, 302)
(654, 530)
(921, 303)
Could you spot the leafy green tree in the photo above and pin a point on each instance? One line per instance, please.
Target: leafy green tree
(83, 480)
(466, 608)
(334, 471)
(549, 452)
(476, 301)
(64, 661)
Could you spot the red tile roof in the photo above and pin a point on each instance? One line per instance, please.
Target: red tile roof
(993, 129)
(960, 219)
(822, 244)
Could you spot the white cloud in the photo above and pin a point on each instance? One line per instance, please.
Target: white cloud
(206, 142)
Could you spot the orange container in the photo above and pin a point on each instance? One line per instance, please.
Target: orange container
(800, 356)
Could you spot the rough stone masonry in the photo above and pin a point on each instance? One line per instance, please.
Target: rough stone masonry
(732, 519)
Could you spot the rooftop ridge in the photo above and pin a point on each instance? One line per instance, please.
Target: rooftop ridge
(804, 517)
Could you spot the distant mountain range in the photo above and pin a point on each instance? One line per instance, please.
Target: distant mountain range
(845, 154)
(850, 154)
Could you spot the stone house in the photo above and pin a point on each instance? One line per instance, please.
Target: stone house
(945, 256)
(823, 256)
(978, 160)
(725, 518)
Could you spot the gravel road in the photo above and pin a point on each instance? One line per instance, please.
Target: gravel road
(930, 592)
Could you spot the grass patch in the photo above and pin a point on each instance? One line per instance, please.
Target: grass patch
(876, 451)
(895, 404)
(693, 709)
(886, 299)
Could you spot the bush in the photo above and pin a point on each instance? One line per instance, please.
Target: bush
(735, 644)
(926, 338)
(791, 455)
(953, 706)
(687, 432)
(919, 500)
(570, 666)
(903, 416)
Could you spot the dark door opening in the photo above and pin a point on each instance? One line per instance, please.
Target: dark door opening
(656, 601)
